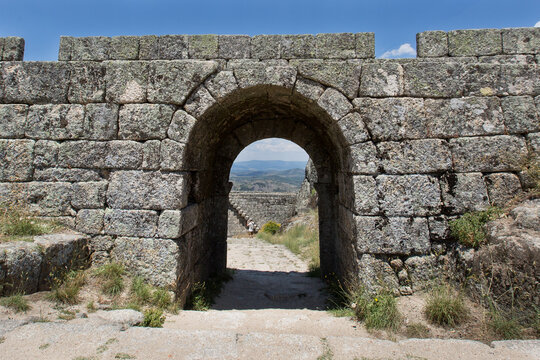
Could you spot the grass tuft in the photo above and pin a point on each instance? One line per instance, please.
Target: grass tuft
(469, 230)
(153, 318)
(446, 307)
(67, 292)
(112, 274)
(417, 331)
(16, 302)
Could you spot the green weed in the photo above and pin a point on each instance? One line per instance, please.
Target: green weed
(153, 318)
(203, 293)
(111, 273)
(469, 228)
(16, 302)
(140, 290)
(67, 292)
(446, 307)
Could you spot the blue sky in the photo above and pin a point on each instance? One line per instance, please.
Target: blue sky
(395, 23)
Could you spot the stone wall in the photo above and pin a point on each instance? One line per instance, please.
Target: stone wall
(131, 139)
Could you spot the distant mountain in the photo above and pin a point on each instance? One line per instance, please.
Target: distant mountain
(267, 165)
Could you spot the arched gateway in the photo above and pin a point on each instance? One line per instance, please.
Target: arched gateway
(131, 139)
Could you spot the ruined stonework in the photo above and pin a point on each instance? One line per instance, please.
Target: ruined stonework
(131, 140)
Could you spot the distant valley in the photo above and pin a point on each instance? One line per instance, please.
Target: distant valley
(267, 175)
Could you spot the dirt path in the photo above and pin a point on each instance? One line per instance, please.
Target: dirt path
(270, 310)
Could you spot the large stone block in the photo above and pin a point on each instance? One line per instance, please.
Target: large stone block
(142, 223)
(16, 160)
(144, 121)
(65, 175)
(520, 114)
(12, 121)
(203, 46)
(519, 80)
(100, 122)
(172, 155)
(474, 42)
(157, 260)
(415, 156)
(342, 75)
(148, 47)
(335, 103)
(298, 47)
(365, 195)
(353, 128)
(46, 153)
(336, 46)
(124, 48)
(424, 272)
(381, 79)
(126, 81)
(222, 84)
(488, 154)
(13, 49)
(147, 190)
(409, 195)
(89, 195)
(364, 159)
(181, 126)
(200, 101)
(20, 262)
(466, 116)
(171, 82)
(434, 79)
(365, 45)
(521, 41)
(392, 235)
(35, 82)
(266, 47)
(464, 192)
(172, 47)
(502, 188)
(151, 155)
(124, 155)
(40, 198)
(259, 74)
(432, 44)
(102, 155)
(312, 90)
(394, 118)
(175, 223)
(55, 122)
(92, 48)
(376, 275)
(65, 48)
(87, 82)
(234, 46)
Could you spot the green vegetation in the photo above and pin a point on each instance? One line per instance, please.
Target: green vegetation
(271, 227)
(67, 290)
(504, 327)
(153, 318)
(111, 274)
(446, 307)
(203, 293)
(124, 356)
(144, 294)
(17, 224)
(66, 314)
(16, 302)
(417, 331)
(469, 228)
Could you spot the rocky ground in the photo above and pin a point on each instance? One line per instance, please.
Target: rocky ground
(270, 310)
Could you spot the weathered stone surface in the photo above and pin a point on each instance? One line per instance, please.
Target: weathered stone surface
(353, 128)
(376, 274)
(181, 126)
(520, 114)
(55, 122)
(393, 119)
(365, 195)
(151, 155)
(438, 228)
(171, 82)
(423, 271)
(154, 259)
(298, 46)
(534, 142)
(365, 45)
(172, 47)
(142, 223)
(89, 195)
(124, 48)
(519, 80)
(20, 262)
(65, 175)
(381, 79)
(100, 122)
(234, 46)
(308, 88)
(40, 198)
(124, 317)
(335, 46)
(222, 84)
(432, 44)
(200, 101)
(342, 75)
(266, 47)
(12, 121)
(16, 160)
(35, 82)
(335, 104)
(409, 195)
(172, 155)
(464, 192)
(175, 223)
(147, 190)
(94, 48)
(144, 121)
(65, 49)
(502, 187)
(415, 156)
(494, 153)
(13, 49)
(148, 47)
(284, 76)
(124, 155)
(203, 46)
(364, 159)
(434, 79)
(126, 81)
(87, 82)
(92, 154)
(90, 221)
(466, 116)
(474, 42)
(45, 153)
(521, 41)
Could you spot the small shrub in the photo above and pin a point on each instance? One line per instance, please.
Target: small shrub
(271, 227)
(67, 292)
(469, 228)
(113, 286)
(16, 302)
(417, 331)
(140, 290)
(446, 307)
(161, 298)
(153, 318)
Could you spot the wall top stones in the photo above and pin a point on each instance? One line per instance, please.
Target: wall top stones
(11, 48)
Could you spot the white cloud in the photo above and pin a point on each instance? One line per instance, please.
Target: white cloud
(273, 149)
(403, 51)
(537, 24)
